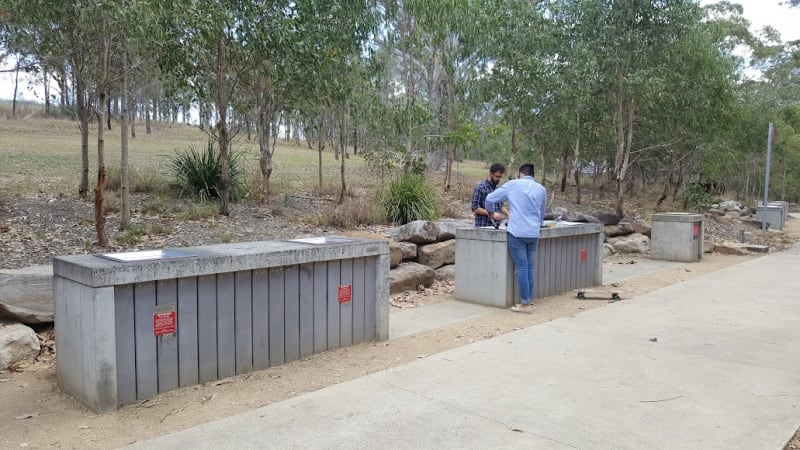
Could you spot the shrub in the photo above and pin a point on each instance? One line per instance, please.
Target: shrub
(410, 198)
(695, 196)
(197, 211)
(199, 172)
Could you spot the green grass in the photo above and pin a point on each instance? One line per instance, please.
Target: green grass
(39, 155)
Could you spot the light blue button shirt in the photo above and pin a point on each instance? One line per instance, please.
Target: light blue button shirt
(528, 202)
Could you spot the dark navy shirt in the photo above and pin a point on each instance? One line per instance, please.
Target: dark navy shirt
(483, 189)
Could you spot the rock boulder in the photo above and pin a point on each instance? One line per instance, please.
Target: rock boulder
(418, 232)
(438, 254)
(17, 342)
(408, 276)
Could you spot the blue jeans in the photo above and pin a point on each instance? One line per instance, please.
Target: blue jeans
(522, 252)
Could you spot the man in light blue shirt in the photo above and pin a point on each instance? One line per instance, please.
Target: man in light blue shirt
(527, 201)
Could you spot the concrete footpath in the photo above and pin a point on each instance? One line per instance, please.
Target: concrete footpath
(712, 362)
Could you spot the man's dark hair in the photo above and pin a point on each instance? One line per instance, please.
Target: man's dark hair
(526, 169)
(497, 167)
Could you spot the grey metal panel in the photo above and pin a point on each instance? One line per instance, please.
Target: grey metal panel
(307, 285)
(226, 326)
(167, 294)
(320, 306)
(334, 278)
(291, 302)
(276, 316)
(188, 365)
(243, 321)
(570, 258)
(370, 306)
(144, 302)
(346, 308)
(358, 300)
(260, 319)
(207, 327)
(125, 344)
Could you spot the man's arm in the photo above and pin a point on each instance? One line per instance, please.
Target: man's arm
(496, 196)
(477, 196)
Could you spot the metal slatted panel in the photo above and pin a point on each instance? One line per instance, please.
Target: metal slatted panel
(207, 327)
(334, 279)
(320, 307)
(346, 308)
(276, 316)
(307, 292)
(226, 327)
(167, 345)
(260, 319)
(358, 301)
(370, 325)
(144, 302)
(188, 363)
(243, 321)
(291, 313)
(236, 322)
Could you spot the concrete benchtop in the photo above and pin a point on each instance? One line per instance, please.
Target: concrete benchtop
(491, 234)
(96, 271)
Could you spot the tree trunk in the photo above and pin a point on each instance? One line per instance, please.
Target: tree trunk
(513, 156)
(625, 113)
(99, 217)
(222, 126)
(124, 185)
(343, 146)
(320, 147)
(148, 129)
(108, 112)
(451, 128)
(46, 86)
(133, 116)
(576, 154)
(266, 110)
(564, 168)
(83, 125)
(16, 87)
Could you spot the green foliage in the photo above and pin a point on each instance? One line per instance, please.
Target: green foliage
(132, 235)
(199, 172)
(408, 198)
(696, 197)
(197, 212)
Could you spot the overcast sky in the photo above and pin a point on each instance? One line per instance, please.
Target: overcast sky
(759, 12)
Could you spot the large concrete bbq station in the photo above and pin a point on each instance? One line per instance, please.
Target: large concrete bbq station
(133, 325)
(569, 256)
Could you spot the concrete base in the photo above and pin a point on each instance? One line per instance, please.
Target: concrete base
(677, 237)
(568, 257)
(130, 330)
(774, 215)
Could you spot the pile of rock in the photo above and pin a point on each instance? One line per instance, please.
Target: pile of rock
(26, 300)
(427, 253)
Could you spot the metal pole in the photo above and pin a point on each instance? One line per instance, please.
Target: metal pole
(766, 177)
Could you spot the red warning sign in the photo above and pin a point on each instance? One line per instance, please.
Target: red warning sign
(164, 322)
(584, 256)
(345, 293)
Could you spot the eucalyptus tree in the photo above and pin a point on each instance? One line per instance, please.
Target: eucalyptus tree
(440, 42)
(330, 53)
(204, 50)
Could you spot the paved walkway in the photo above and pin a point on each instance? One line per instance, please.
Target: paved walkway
(712, 362)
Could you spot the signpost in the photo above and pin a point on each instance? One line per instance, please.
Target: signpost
(770, 138)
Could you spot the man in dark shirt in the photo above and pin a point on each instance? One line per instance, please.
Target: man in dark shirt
(484, 188)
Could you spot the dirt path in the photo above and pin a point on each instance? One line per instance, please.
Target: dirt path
(38, 414)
